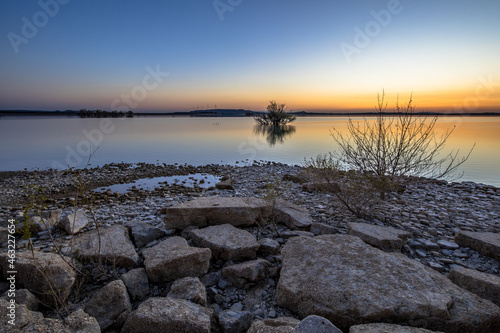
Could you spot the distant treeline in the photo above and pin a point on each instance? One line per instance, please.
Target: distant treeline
(84, 113)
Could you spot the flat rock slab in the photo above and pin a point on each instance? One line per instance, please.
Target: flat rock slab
(343, 279)
(205, 211)
(112, 245)
(226, 242)
(484, 285)
(486, 243)
(293, 216)
(51, 271)
(165, 314)
(384, 238)
(387, 328)
(174, 259)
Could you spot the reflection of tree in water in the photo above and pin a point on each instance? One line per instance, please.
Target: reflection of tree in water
(274, 134)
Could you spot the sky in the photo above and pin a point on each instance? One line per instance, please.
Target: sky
(315, 55)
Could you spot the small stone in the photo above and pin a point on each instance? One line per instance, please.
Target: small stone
(268, 246)
(235, 321)
(316, 324)
(421, 253)
(189, 288)
(444, 244)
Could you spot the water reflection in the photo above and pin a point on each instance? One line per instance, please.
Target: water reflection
(274, 134)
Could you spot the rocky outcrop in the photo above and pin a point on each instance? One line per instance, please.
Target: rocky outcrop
(486, 243)
(108, 303)
(387, 328)
(341, 278)
(484, 285)
(190, 289)
(173, 259)
(293, 216)
(74, 223)
(384, 238)
(205, 211)
(47, 275)
(111, 246)
(226, 242)
(164, 314)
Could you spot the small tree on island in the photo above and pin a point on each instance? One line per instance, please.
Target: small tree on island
(277, 115)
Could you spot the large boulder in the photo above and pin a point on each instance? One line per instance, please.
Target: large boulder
(164, 314)
(173, 259)
(343, 279)
(486, 243)
(484, 285)
(384, 238)
(108, 303)
(226, 242)
(205, 211)
(111, 246)
(47, 275)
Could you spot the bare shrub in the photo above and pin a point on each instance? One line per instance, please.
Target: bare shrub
(355, 190)
(397, 145)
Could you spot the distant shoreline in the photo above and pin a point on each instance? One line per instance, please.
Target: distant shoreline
(239, 113)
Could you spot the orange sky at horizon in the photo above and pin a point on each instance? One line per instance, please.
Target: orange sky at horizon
(462, 101)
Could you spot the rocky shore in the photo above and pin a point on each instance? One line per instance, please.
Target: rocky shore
(226, 260)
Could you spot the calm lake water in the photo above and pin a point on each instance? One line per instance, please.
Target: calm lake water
(60, 142)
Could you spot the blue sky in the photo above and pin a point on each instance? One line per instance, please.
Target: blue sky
(313, 55)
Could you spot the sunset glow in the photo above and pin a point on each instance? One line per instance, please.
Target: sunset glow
(313, 56)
